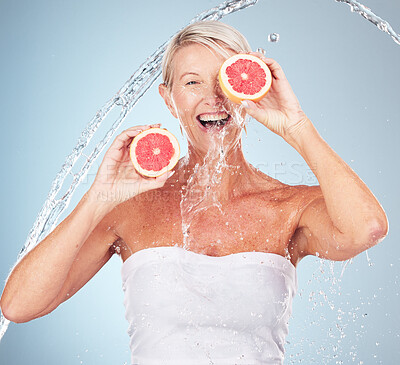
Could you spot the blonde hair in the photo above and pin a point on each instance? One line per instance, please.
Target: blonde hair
(212, 33)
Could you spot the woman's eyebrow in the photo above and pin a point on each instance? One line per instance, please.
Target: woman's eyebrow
(188, 73)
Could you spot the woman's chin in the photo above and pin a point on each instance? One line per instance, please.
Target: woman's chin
(215, 144)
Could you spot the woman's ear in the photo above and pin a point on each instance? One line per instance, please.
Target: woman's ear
(165, 94)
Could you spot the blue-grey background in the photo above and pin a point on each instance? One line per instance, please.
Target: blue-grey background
(62, 60)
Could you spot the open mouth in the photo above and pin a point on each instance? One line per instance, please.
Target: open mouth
(214, 120)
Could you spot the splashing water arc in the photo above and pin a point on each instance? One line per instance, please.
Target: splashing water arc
(126, 98)
(366, 13)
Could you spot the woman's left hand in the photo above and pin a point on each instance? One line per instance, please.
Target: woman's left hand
(279, 110)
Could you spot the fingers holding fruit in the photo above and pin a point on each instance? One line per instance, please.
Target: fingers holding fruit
(261, 86)
(122, 172)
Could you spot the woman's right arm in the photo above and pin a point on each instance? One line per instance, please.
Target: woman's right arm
(60, 264)
(81, 244)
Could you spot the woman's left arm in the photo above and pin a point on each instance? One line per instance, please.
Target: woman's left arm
(343, 217)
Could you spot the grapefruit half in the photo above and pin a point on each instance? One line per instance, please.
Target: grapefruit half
(244, 77)
(154, 151)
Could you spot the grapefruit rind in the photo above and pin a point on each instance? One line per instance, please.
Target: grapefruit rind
(173, 161)
(236, 96)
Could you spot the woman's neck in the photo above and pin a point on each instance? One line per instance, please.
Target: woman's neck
(228, 171)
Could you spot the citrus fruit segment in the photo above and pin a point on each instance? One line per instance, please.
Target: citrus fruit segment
(244, 77)
(154, 151)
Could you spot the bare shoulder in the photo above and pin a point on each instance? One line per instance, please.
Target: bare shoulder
(125, 216)
(305, 194)
(296, 194)
(136, 217)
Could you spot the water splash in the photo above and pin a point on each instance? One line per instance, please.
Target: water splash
(262, 51)
(340, 316)
(206, 163)
(366, 13)
(125, 99)
(273, 37)
(201, 196)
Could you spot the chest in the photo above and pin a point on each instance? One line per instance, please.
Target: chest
(245, 224)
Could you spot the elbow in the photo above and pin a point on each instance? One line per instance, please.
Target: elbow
(364, 239)
(5, 311)
(12, 316)
(380, 229)
(360, 241)
(381, 226)
(16, 318)
(377, 231)
(10, 313)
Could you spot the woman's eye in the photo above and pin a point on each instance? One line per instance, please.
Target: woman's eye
(191, 83)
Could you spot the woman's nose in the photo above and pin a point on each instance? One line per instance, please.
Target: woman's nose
(213, 94)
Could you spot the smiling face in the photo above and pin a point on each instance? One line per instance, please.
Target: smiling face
(195, 98)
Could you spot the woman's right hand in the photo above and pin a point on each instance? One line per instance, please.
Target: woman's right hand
(117, 180)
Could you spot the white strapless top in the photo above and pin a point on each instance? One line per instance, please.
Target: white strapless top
(186, 308)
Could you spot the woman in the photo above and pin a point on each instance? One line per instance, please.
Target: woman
(210, 249)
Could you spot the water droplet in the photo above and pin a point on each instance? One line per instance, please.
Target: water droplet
(273, 37)
(261, 50)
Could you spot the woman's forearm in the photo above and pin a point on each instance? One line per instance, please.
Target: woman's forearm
(352, 207)
(40, 275)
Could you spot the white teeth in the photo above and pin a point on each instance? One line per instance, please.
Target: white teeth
(213, 117)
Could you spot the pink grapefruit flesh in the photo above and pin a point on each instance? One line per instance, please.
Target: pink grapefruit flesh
(244, 77)
(154, 151)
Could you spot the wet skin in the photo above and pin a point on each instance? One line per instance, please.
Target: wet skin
(259, 213)
(260, 220)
